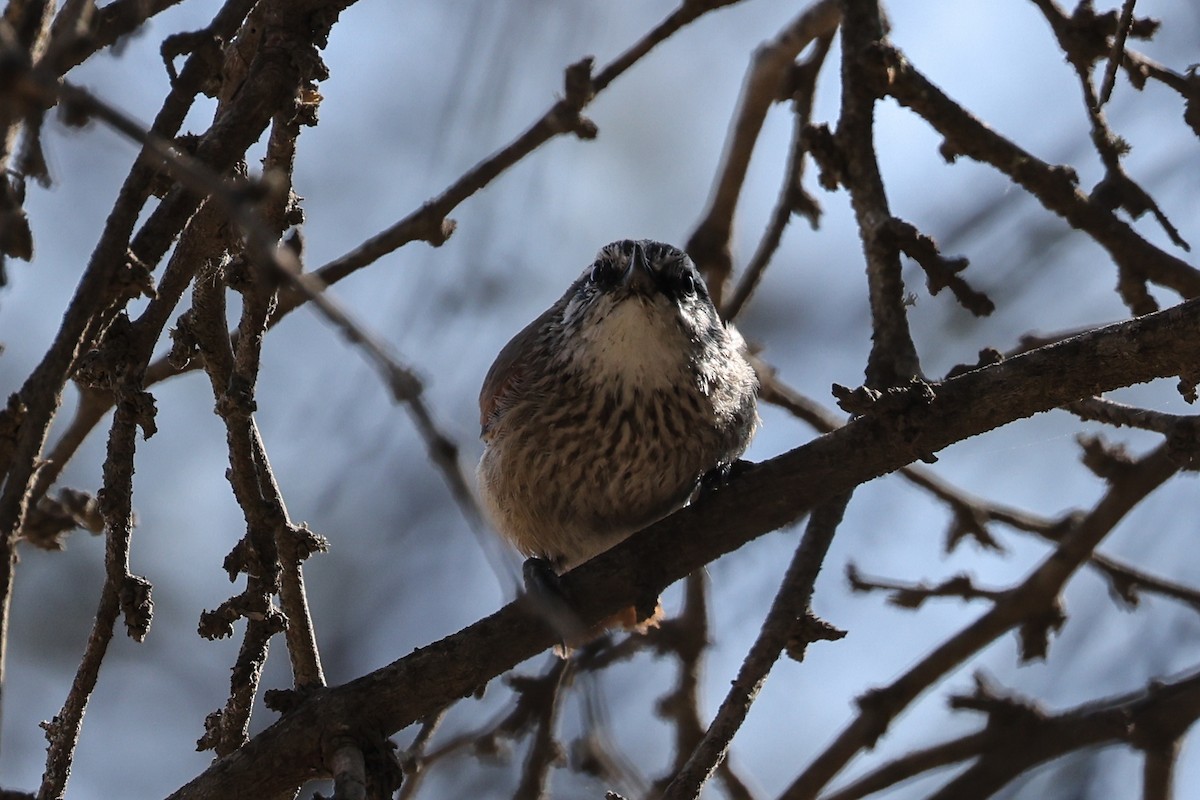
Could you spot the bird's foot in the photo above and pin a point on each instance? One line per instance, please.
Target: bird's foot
(722, 474)
(544, 591)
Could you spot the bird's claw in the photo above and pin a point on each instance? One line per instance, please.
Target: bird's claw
(544, 590)
(722, 474)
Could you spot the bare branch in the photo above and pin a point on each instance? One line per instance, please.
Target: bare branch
(940, 272)
(793, 198)
(764, 498)
(544, 751)
(913, 596)
(1020, 735)
(1031, 605)
(1117, 53)
(893, 360)
(786, 614)
(766, 83)
(121, 591)
(1098, 409)
(1054, 186)
(431, 224)
(687, 638)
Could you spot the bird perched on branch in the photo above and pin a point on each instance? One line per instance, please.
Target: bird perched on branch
(605, 412)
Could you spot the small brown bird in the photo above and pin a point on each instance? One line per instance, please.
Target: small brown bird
(604, 413)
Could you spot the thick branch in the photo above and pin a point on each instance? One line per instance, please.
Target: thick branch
(766, 497)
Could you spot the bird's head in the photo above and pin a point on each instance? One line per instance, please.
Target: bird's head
(640, 310)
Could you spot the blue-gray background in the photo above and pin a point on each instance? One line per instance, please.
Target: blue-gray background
(419, 92)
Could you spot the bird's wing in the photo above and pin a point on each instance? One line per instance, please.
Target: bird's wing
(507, 376)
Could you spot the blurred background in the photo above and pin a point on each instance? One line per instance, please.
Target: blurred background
(418, 93)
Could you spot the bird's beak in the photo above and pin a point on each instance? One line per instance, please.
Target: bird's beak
(638, 276)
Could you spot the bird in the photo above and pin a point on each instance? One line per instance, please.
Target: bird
(606, 412)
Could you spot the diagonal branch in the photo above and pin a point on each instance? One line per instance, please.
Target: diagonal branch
(786, 614)
(1025, 605)
(1055, 187)
(766, 497)
(766, 83)
(793, 198)
(971, 513)
(1019, 735)
(430, 223)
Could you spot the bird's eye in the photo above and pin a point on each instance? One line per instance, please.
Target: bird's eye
(688, 284)
(603, 272)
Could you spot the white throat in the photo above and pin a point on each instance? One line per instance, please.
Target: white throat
(635, 346)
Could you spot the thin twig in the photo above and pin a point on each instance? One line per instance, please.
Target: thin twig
(1023, 605)
(787, 610)
(1125, 580)
(911, 764)
(115, 20)
(1055, 187)
(1118, 50)
(1019, 736)
(415, 760)
(1082, 43)
(766, 83)
(30, 25)
(430, 223)
(1110, 412)
(913, 595)
(793, 198)
(228, 729)
(893, 360)
(544, 750)
(119, 589)
(686, 637)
